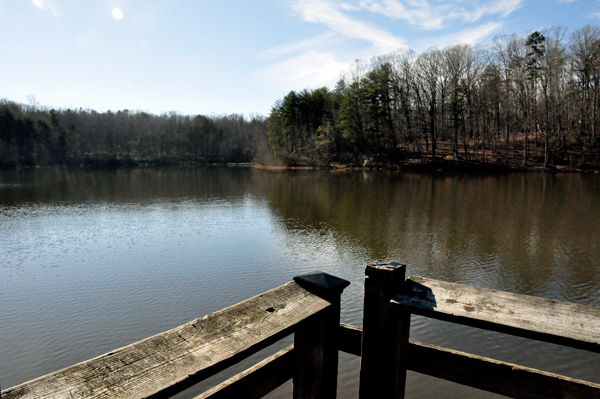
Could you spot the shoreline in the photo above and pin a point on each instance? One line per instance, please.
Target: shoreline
(413, 166)
(428, 166)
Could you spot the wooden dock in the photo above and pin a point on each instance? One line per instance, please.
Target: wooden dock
(309, 308)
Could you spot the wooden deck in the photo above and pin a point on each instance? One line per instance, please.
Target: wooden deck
(541, 319)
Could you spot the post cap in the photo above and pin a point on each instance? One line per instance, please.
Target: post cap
(387, 263)
(386, 267)
(322, 284)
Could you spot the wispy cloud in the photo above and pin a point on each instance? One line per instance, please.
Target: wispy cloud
(316, 61)
(330, 14)
(419, 14)
(351, 33)
(465, 36)
(437, 16)
(505, 7)
(310, 69)
(302, 45)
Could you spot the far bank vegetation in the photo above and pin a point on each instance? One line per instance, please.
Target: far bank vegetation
(523, 101)
(35, 136)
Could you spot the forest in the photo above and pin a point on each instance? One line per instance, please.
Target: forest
(35, 136)
(522, 101)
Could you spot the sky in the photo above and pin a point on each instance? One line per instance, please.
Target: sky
(215, 57)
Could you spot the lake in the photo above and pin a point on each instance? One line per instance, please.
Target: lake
(94, 260)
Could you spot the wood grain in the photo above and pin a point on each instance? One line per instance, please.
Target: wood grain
(483, 373)
(542, 319)
(166, 363)
(257, 381)
(495, 376)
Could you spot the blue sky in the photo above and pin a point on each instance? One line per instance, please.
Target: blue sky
(215, 57)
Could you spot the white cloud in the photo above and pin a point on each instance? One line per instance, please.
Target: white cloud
(320, 60)
(310, 69)
(348, 7)
(505, 7)
(328, 13)
(437, 16)
(466, 36)
(475, 35)
(421, 14)
(327, 38)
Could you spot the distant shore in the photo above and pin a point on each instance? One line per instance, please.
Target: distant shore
(430, 166)
(410, 165)
(423, 166)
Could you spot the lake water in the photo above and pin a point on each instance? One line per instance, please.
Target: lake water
(94, 260)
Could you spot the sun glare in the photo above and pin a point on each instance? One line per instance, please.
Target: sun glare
(117, 13)
(39, 3)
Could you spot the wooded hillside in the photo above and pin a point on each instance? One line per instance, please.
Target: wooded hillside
(525, 100)
(30, 135)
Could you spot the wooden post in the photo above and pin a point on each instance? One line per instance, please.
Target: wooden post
(316, 340)
(385, 333)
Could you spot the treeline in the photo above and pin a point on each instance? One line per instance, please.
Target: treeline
(31, 136)
(525, 100)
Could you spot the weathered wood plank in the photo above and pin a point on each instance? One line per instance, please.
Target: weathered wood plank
(257, 381)
(482, 373)
(547, 320)
(495, 376)
(316, 341)
(166, 363)
(385, 334)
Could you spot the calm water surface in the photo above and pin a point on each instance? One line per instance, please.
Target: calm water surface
(94, 260)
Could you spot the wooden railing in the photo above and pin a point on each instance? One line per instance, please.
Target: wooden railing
(167, 363)
(387, 352)
(309, 307)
